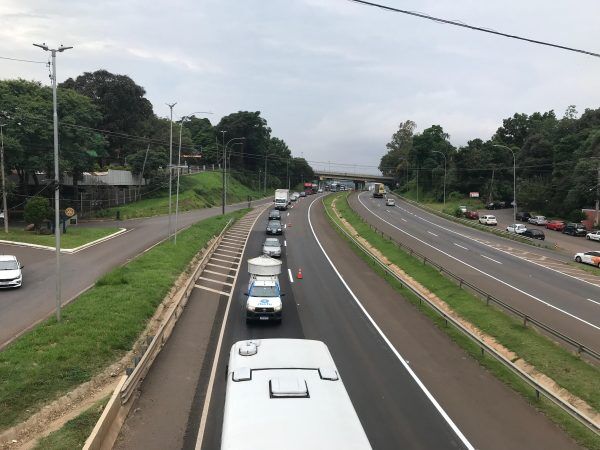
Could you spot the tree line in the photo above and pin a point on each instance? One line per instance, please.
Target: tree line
(105, 121)
(557, 162)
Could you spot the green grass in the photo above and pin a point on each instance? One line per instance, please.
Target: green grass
(97, 329)
(201, 190)
(74, 433)
(568, 370)
(472, 204)
(74, 237)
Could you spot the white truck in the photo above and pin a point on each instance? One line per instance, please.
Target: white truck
(282, 199)
(264, 294)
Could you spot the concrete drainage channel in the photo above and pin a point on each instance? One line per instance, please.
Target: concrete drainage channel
(108, 426)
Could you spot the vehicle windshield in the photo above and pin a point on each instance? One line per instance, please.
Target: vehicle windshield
(8, 265)
(264, 291)
(272, 243)
(274, 224)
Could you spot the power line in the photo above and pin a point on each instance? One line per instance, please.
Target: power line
(23, 60)
(476, 28)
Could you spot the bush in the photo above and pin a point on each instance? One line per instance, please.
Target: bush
(454, 196)
(576, 216)
(37, 210)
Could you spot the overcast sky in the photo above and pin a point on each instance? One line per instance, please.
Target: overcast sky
(333, 78)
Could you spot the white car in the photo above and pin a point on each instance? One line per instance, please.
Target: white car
(463, 209)
(10, 272)
(518, 228)
(537, 220)
(593, 236)
(592, 258)
(488, 220)
(320, 191)
(390, 202)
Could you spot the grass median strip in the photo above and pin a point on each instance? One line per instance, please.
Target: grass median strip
(74, 433)
(565, 368)
(74, 237)
(97, 328)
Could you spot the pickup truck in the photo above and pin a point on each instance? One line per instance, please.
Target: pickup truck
(264, 292)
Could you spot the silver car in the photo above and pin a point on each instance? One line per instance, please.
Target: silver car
(272, 247)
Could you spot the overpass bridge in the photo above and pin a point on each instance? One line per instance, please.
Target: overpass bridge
(359, 179)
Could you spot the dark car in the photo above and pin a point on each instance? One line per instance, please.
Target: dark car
(274, 214)
(274, 227)
(534, 234)
(472, 215)
(523, 216)
(575, 229)
(494, 205)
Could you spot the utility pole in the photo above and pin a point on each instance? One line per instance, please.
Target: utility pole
(597, 198)
(171, 106)
(287, 171)
(223, 195)
(2, 125)
(56, 172)
(142, 175)
(266, 153)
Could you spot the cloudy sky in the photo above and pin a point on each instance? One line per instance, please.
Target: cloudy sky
(333, 78)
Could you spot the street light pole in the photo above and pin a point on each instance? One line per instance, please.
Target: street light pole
(56, 172)
(514, 179)
(223, 172)
(171, 106)
(436, 151)
(2, 125)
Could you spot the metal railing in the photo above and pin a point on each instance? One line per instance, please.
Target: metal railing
(539, 389)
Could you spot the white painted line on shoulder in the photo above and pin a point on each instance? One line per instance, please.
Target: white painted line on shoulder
(291, 276)
(593, 301)
(285, 226)
(461, 246)
(491, 259)
(433, 233)
(389, 344)
(550, 305)
(285, 243)
(288, 214)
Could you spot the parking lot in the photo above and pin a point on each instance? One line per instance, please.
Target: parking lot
(565, 243)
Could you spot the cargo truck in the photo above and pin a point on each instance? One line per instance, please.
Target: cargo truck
(282, 199)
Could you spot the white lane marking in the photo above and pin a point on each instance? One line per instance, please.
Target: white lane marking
(285, 243)
(433, 233)
(285, 226)
(593, 301)
(215, 361)
(461, 246)
(288, 214)
(388, 342)
(402, 218)
(387, 210)
(496, 248)
(482, 272)
(206, 288)
(291, 276)
(491, 259)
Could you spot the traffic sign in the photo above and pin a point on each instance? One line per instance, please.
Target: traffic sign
(69, 212)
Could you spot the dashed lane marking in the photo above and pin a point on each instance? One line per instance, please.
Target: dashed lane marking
(491, 259)
(433, 233)
(291, 276)
(593, 301)
(461, 246)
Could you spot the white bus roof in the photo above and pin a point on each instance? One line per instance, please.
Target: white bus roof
(287, 393)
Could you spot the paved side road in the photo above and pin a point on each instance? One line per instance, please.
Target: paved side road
(22, 308)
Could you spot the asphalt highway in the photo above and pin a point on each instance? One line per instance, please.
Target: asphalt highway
(395, 411)
(496, 265)
(22, 308)
(411, 386)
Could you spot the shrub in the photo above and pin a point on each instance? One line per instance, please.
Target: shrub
(37, 210)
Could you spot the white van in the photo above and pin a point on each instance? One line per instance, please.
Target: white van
(287, 394)
(488, 220)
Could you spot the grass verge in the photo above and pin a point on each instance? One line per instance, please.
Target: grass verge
(97, 329)
(201, 190)
(74, 237)
(74, 433)
(569, 371)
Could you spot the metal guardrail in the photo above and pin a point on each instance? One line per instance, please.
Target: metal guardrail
(165, 329)
(527, 319)
(539, 389)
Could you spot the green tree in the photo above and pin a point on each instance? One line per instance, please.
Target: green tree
(37, 209)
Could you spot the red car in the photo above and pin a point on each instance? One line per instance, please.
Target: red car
(556, 225)
(472, 215)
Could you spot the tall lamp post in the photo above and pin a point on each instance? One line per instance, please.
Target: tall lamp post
(53, 51)
(171, 106)
(227, 175)
(2, 125)
(223, 173)
(179, 169)
(436, 151)
(514, 179)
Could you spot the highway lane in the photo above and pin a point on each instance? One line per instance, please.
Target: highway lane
(394, 410)
(22, 308)
(559, 300)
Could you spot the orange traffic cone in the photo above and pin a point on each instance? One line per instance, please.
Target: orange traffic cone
(289, 224)
(299, 276)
